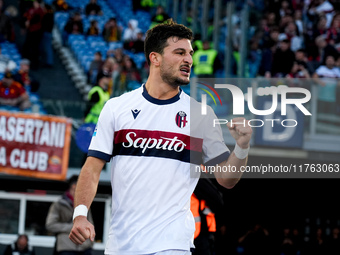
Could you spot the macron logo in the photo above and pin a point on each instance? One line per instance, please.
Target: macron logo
(135, 113)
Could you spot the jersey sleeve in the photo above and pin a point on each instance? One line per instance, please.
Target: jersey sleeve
(215, 150)
(101, 145)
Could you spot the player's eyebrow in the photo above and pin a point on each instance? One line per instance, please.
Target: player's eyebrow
(191, 52)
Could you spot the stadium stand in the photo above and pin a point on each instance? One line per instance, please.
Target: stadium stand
(80, 49)
(10, 51)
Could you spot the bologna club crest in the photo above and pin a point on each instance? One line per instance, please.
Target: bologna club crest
(181, 119)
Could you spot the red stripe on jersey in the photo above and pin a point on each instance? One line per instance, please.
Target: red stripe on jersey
(192, 143)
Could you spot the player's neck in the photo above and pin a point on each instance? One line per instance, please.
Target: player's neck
(158, 89)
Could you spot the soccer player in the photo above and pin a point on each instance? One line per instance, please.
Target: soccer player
(146, 135)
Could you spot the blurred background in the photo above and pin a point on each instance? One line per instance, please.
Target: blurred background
(58, 51)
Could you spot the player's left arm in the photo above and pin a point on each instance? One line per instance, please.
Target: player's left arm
(241, 132)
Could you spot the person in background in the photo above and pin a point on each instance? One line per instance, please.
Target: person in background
(206, 202)
(6, 25)
(60, 5)
(159, 17)
(301, 59)
(92, 8)
(137, 46)
(112, 32)
(283, 60)
(33, 24)
(59, 221)
(129, 75)
(327, 76)
(6, 64)
(93, 29)
(73, 26)
(12, 93)
(95, 66)
(97, 97)
(130, 34)
(24, 77)
(20, 247)
(206, 61)
(47, 27)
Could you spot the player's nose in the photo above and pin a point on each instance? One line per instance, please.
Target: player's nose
(188, 59)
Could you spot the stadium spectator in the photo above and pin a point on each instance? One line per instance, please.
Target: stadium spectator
(291, 32)
(159, 17)
(93, 29)
(287, 245)
(285, 9)
(298, 71)
(93, 8)
(95, 67)
(73, 26)
(97, 97)
(298, 21)
(267, 59)
(25, 78)
(12, 93)
(47, 27)
(272, 37)
(6, 26)
(327, 76)
(20, 247)
(119, 55)
(61, 5)
(317, 244)
(333, 33)
(321, 7)
(320, 28)
(321, 51)
(129, 74)
(112, 32)
(33, 24)
(271, 19)
(6, 64)
(59, 222)
(297, 239)
(301, 59)
(255, 241)
(136, 46)
(130, 33)
(254, 58)
(333, 243)
(108, 66)
(205, 61)
(283, 60)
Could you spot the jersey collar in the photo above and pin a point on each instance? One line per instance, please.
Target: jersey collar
(160, 101)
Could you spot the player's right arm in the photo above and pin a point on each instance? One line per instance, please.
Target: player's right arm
(85, 192)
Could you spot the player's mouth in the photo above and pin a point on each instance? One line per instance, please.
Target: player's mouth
(185, 70)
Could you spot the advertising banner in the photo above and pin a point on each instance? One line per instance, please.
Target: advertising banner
(34, 145)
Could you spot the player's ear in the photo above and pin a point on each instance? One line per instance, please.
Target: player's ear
(154, 58)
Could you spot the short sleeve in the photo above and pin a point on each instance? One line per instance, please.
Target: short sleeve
(101, 145)
(215, 150)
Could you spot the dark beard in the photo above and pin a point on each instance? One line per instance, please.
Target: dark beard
(172, 80)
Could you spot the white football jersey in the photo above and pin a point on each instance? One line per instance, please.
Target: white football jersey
(149, 144)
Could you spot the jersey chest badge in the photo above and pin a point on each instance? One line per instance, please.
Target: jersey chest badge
(181, 119)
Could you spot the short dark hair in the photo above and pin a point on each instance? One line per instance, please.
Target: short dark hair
(72, 180)
(156, 38)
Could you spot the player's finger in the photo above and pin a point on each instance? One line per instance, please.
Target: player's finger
(92, 235)
(74, 238)
(85, 234)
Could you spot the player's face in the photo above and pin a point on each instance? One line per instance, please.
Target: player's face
(176, 62)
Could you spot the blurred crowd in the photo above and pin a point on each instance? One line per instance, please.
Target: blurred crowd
(294, 38)
(291, 241)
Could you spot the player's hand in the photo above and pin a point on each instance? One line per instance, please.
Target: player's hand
(241, 131)
(82, 230)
